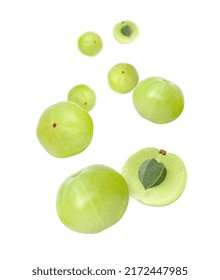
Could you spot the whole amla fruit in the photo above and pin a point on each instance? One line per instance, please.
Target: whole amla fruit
(65, 129)
(92, 199)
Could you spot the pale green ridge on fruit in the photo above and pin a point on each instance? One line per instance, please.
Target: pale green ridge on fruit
(93, 199)
(83, 95)
(158, 100)
(72, 199)
(90, 43)
(168, 190)
(151, 173)
(123, 77)
(65, 129)
(125, 32)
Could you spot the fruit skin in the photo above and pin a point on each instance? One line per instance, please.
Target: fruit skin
(165, 193)
(158, 100)
(123, 77)
(83, 95)
(65, 129)
(90, 43)
(120, 37)
(92, 199)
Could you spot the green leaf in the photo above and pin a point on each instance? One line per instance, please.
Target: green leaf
(126, 30)
(151, 173)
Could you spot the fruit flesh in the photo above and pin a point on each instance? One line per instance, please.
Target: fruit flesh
(65, 129)
(158, 100)
(166, 192)
(93, 199)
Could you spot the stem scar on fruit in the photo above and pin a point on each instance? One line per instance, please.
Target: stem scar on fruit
(162, 152)
(54, 125)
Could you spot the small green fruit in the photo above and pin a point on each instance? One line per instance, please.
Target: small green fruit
(90, 43)
(125, 32)
(123, 77)
(82, 95)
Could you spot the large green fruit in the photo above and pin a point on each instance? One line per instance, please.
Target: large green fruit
(92, 199)
(158, 100)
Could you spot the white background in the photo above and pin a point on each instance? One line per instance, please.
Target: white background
(39, 63)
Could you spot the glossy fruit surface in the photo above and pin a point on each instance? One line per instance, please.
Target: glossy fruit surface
(171, 184)
(83, 95)
(125, 32)
(123, 77)
(92, 199)
(158, 100)
(65, 129)
(90, 43)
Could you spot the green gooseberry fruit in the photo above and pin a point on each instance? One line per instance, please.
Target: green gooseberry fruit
(123, 77)
(158, 100)
(92, 199)
(83, 95)
(125, 31)
(155, 177)
(90, 43)
(65, 129)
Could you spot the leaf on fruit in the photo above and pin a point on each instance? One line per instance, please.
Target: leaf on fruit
(151, 173)
(126, 30)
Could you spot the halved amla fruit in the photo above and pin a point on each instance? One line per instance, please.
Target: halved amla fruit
(155, 177)
(65, 129)
(125, 32)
